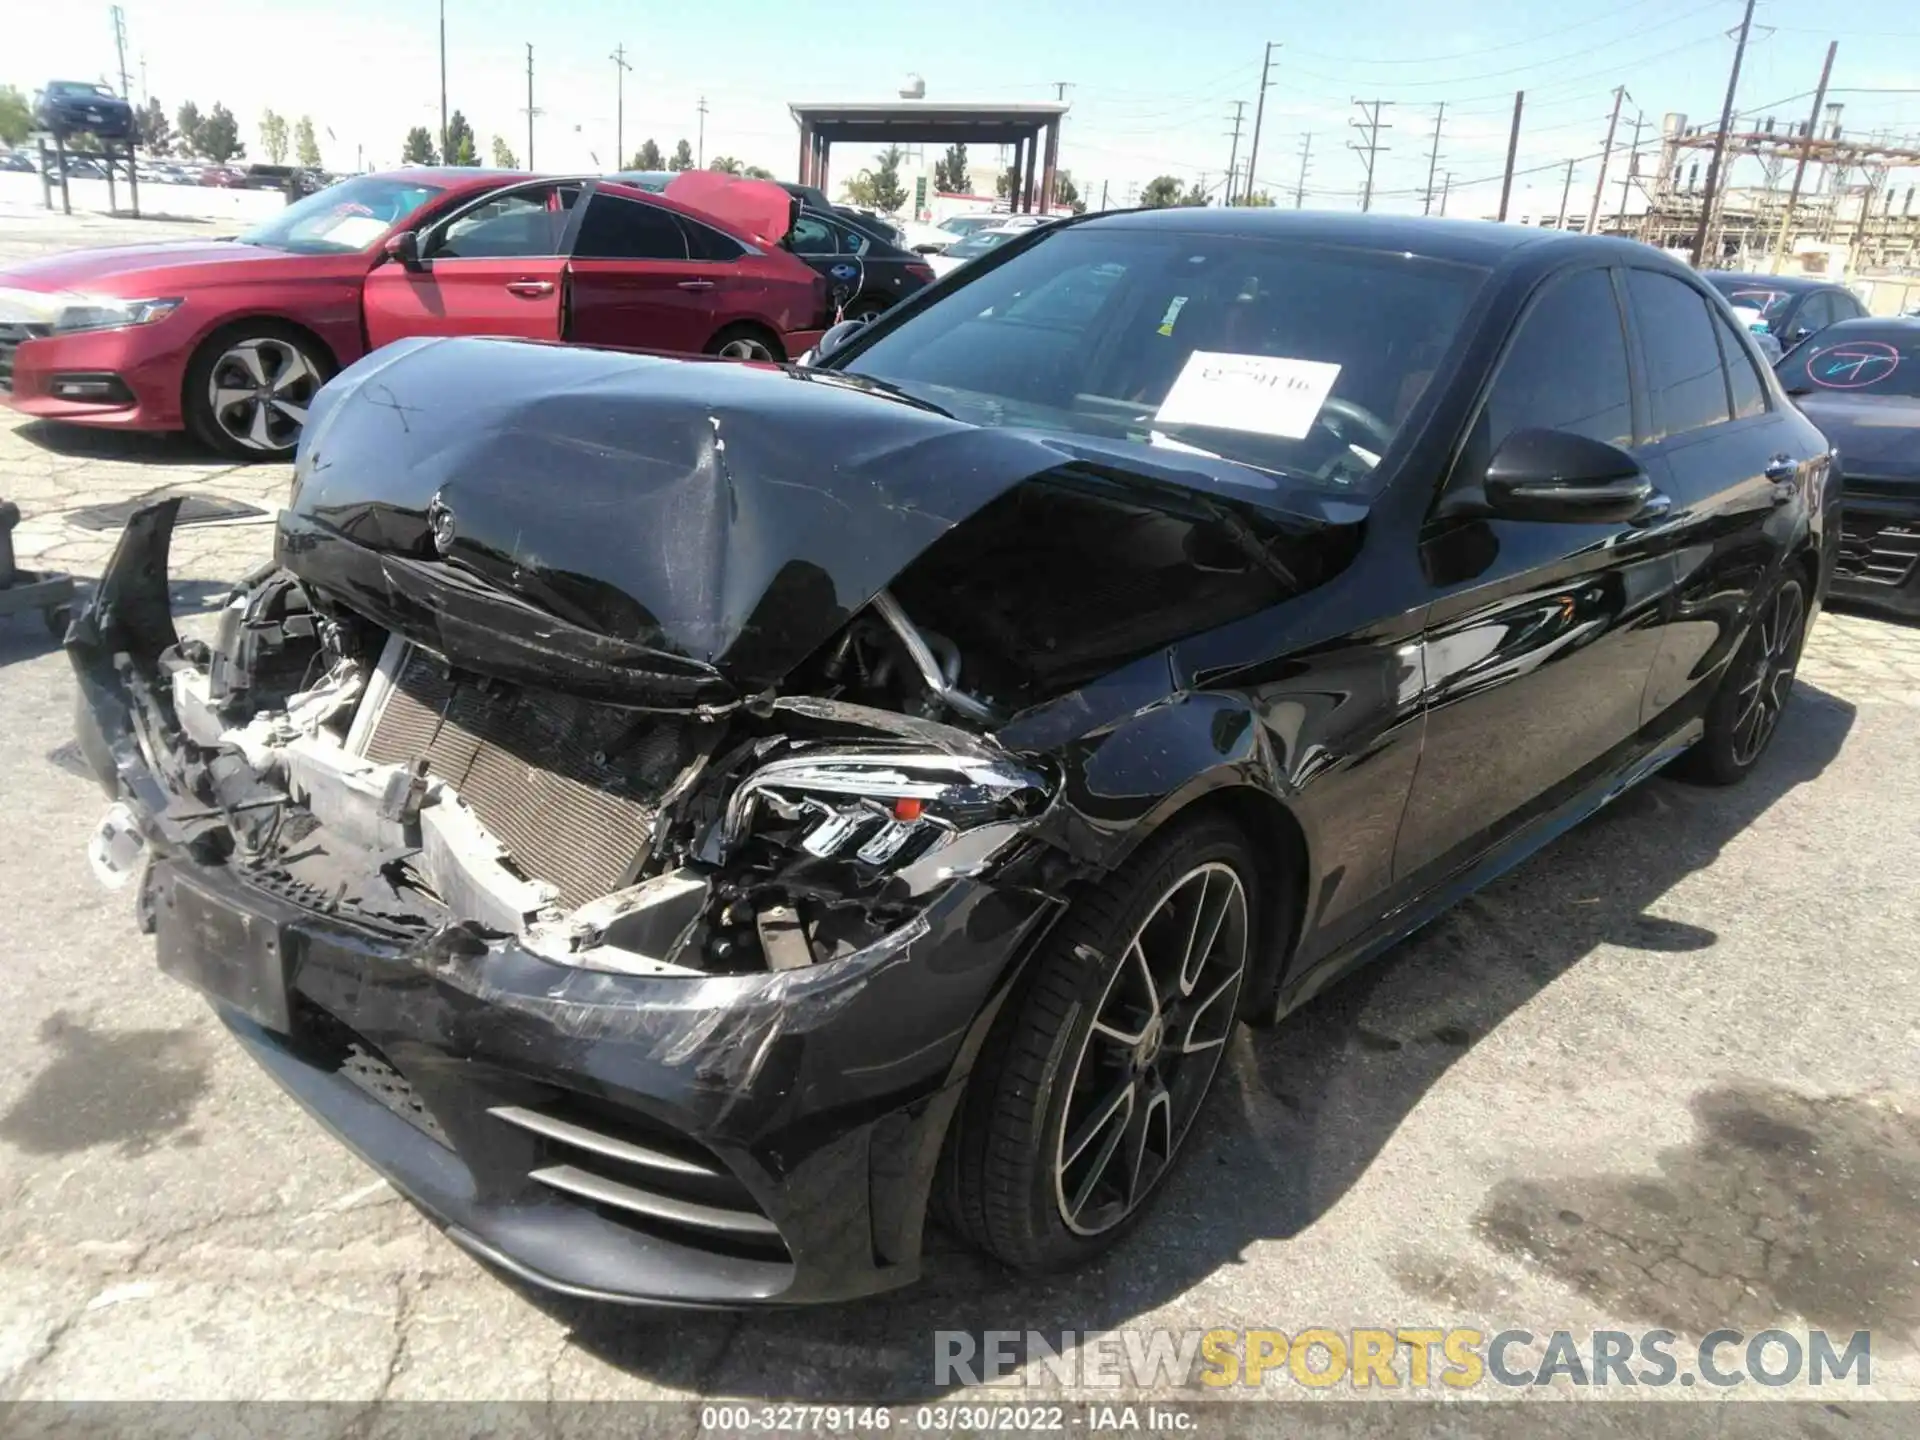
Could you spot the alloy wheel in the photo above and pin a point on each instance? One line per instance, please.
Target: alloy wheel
(744, 348)
(258, 392)
(1769, 679)
(1147, 1061)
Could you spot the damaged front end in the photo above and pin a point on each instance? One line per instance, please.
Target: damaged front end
(570, 972)
(611, 840)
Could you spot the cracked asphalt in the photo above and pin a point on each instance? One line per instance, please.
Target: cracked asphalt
(1666, 1074)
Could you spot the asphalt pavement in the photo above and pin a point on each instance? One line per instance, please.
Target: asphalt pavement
(1666, 1075)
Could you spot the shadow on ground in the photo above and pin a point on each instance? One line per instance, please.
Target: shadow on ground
(1299, 1116)
(83, 442)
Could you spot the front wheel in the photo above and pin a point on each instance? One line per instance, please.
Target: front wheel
(1745, 712)
(1095, 1072)
(745, 342)
(248, 389)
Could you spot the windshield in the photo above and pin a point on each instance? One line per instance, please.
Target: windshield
(1753, 295)
(75, 87)
(1295, 357)
(967, 224)
(349, 216)
(977, 244)
(1879, 363)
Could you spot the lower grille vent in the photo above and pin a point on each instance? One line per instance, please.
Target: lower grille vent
(1877, 551)
(644, 1176)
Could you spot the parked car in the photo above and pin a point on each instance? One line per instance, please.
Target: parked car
(871, 273)
(81, 107)
(726, 805)
(973, 246)
(222, 177)
(231, 339)
(1859, 381)
(18, 162)
(968, 225)
(1793, 307)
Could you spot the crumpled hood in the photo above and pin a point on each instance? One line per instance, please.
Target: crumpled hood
(645, 529)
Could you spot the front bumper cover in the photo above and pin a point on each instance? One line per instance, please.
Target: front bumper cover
(820, 1096)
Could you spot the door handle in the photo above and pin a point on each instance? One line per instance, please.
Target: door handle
(532, 289)
(696, 284)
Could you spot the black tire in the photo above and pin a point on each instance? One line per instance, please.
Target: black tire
(292, 368)
(1005, 1186)
(744, 336)
(867, 307)
(1745, 713)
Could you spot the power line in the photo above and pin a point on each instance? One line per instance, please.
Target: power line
(1372, 127)
(1430, 60)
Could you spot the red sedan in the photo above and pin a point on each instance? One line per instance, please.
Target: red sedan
(231, 338)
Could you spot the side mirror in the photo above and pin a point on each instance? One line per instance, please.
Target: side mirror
(1554, 476)
(836, 337)
(404, 248)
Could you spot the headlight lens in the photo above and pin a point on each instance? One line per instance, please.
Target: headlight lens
(99, 312)
(926, 815)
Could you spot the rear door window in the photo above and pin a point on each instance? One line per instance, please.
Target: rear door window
(1749, 391)
(616, 228)
(1686, 382)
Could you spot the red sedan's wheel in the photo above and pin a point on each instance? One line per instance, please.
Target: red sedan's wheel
(249, 386)
(745, 342)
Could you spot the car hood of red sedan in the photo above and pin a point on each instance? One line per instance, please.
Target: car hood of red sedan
(84, 270)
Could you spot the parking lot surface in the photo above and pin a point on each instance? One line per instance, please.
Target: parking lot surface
(1667, 1074)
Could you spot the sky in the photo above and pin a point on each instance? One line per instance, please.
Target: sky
(1153, 87)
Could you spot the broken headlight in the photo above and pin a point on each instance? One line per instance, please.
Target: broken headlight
(922, 816)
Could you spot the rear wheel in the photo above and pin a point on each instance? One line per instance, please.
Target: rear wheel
(249, 386)
(1746, 711)
(866, 307)
(1095, 1071)
(746, 342)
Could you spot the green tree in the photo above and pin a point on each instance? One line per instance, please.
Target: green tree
(187, 125)
(888, 194)
(156, 134)
(682, 157)
(458, 146)
(1005, 182)
(724, 164)
(757, 172)
(1160, 192)
(273, 137)
(419, 147)
(306, 145)
(647, 157)
(1195, 196)
(503, 156)
(16, 116)
(1066, 194)
(950, 171)
(220, 136)
(1259, 200)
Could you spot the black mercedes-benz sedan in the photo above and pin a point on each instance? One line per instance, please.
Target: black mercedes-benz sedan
(1860, 383)
(683, 821)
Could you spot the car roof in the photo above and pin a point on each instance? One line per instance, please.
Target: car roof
(1903, 326)
(1785, 284)
(1473, 242)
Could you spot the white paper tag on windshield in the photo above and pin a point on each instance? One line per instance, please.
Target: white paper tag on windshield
(357, 230)
(1263, 394)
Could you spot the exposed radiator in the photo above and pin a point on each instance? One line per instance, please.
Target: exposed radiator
(570, 787)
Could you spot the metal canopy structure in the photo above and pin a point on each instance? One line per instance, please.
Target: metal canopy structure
(915, 122)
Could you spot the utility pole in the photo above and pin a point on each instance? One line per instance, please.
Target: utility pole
(1565, 190)
(1433, 158)
(1513, 149)
(1606, 154)
(1720, 141)
(1806, 150)
(620, 69)
(700, 154)
(1233, 155)
(1446, 188)
(1259, 113)
(1371, 127)
(1300, 191)
(446, 159)
(1103, 194)
(144, 96)
(120, 45)
(532, 109)
(1060, 88)
(1633, 163)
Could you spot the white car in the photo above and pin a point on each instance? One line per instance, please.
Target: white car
(922, 238)
(975, 245)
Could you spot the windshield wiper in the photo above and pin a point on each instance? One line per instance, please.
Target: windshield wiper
(855, 381)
